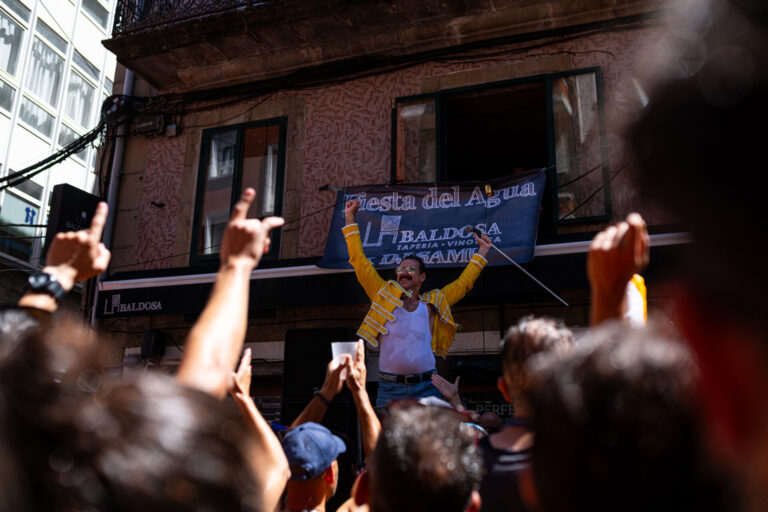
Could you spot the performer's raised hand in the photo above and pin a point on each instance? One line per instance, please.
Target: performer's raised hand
(484, 244)
(350, 210)
(246, 240)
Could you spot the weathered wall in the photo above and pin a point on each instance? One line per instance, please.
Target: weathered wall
(340, 135)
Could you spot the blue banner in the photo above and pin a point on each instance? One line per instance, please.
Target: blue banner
(430, 220)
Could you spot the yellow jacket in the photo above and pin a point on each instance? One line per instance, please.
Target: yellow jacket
(385, 296)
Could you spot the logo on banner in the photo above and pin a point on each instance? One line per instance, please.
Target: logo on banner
(114, 306)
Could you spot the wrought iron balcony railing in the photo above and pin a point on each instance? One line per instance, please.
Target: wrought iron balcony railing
(134, 15)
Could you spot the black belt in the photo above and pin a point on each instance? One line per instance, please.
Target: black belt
(411, 378)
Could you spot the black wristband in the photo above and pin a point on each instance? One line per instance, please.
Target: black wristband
(319, 395)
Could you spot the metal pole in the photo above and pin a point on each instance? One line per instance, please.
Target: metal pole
(480, 234)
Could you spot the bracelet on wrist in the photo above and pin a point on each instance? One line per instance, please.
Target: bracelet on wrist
(322, 398)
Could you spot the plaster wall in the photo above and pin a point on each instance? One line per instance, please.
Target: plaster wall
(339, 134)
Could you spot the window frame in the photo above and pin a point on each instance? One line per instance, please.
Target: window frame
(439, 98)
(196, 258)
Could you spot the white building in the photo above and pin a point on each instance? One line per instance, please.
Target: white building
(54, 76)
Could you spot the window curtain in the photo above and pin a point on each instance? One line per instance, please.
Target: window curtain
(222, 159)
(10, 44)
(44, 76)
(79, 100)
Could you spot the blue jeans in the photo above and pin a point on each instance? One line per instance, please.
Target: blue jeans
(391, 391)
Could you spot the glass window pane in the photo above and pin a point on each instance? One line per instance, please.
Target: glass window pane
(10, 44)
(30, 188)
(6, 96)
(97, 11)
(260, 167)
(36, 117)
(18, 8)
(79, 99)
(217, 192)
(17, 241)
(44, 75)
(87, 66)
(578, 147)
(66, 136)
(416, 159)
(108, 85)
(51, 35)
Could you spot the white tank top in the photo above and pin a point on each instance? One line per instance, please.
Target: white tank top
(407, 348)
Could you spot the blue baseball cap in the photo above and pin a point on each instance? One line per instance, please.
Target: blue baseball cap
(313, 448)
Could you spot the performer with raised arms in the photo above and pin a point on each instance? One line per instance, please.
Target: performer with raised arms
(408, 327)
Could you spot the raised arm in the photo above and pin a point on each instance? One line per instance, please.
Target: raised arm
(73, 257)
(318, 406)
(615, 255)
(216, 339)
(367, 275)
(370, 427)
(271, 468)
(457, 289)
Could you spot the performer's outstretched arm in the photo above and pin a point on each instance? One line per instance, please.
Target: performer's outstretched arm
(457, 289)
(367, 275)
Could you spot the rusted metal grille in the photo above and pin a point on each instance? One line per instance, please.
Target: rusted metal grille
(136, 15)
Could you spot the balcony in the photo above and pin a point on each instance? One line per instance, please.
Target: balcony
(137, 15)
(183, 45)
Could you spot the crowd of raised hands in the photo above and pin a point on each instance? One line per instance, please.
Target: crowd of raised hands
(253, 451)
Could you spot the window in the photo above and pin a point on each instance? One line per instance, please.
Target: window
(494, 130)
(51, 36)
(36, 117)
(96, 11)
(232, 159)
(87, 66)
(18, 8)
(44, 76)
(7, 94)
(66, 136)
(79, 102)
(30, 188)
(16, 240)
(11, 35)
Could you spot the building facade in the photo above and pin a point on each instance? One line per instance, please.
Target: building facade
(54, 77)
(298, 99)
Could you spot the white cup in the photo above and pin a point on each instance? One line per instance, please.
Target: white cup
(338, 349)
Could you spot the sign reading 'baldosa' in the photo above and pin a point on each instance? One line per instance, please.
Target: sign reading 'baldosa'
(430, 221)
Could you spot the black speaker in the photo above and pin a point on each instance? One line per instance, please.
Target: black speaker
(306, 356)
(72, 209)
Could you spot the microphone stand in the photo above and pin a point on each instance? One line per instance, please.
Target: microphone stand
(480, 234)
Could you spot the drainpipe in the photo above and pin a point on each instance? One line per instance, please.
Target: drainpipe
(114, 180)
